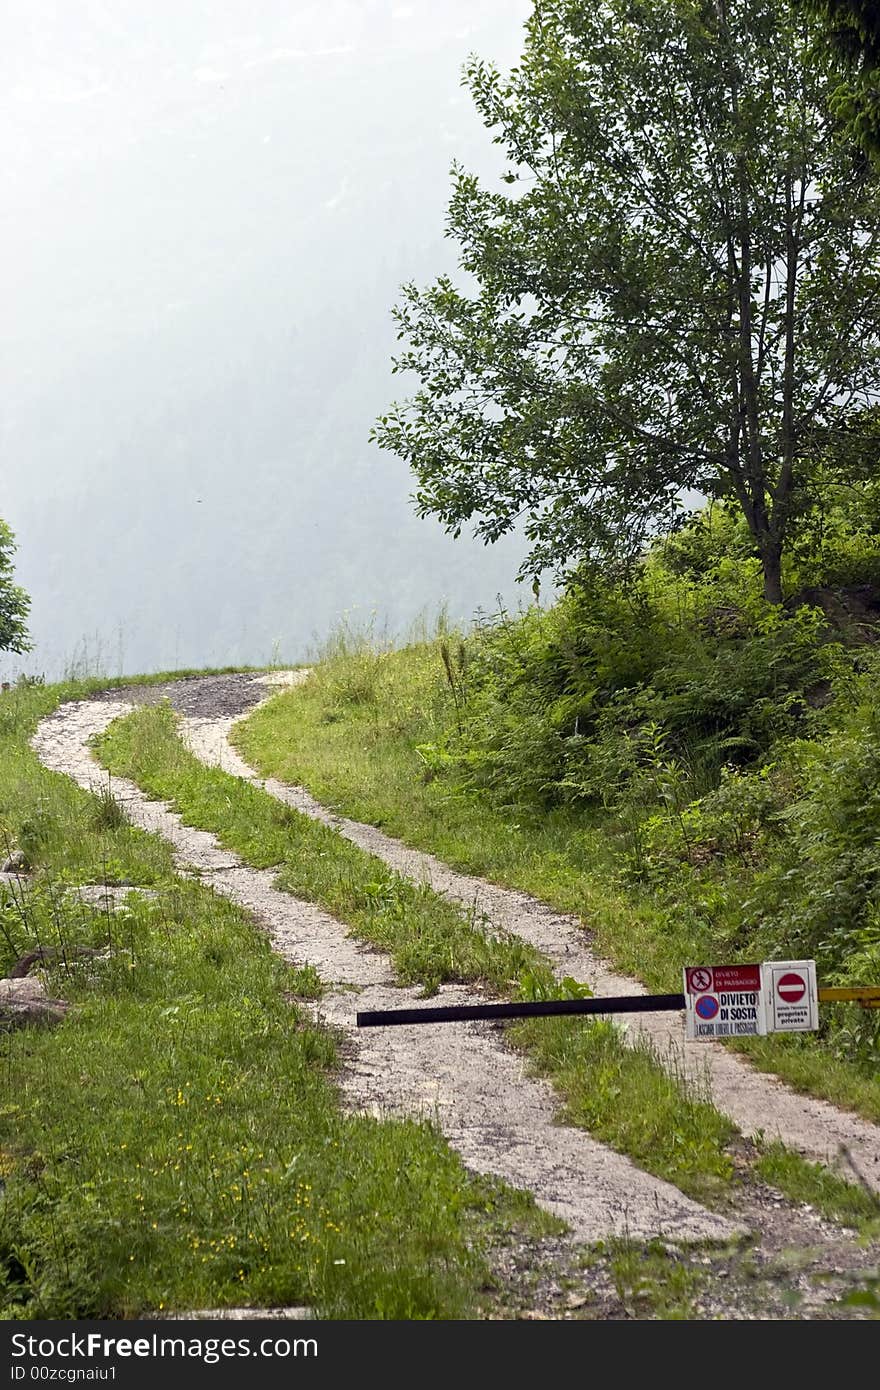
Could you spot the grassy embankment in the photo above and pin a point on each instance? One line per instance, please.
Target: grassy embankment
(177, 1142)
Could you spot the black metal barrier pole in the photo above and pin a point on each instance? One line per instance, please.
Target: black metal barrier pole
(460, 1013)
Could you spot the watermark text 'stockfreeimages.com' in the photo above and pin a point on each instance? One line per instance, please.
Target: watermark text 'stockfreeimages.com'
(31, 1353)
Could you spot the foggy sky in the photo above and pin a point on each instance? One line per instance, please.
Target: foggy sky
(209, 210)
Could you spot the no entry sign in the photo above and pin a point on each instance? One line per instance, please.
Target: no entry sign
(791, 987)
(792, 996)
(741, 1001)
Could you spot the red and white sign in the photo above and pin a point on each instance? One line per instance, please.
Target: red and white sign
(791, 987)
(735, 1001)
(712, 979)
(723, 1001)
(791, 996)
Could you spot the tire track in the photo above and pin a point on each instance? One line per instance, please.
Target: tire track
(757, 1102)
(501, 1121)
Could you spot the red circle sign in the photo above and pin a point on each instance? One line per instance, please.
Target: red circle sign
(791, 988)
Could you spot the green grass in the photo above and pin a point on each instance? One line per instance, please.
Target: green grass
(362, 734)
(814, 1070)
(430, 939)
(355, 734)
(834, 1197)
(177, 1142)
(651, 1280)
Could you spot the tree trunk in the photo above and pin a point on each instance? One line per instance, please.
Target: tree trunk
(771, 559)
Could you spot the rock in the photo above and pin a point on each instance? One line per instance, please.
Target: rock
(297, 1314)
(108, 895)
(25, 1002)
(17, 863)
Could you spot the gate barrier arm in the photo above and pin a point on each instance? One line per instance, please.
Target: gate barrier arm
(866, 995)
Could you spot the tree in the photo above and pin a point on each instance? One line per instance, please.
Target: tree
(679, 290)
(14, 602)
(851, 33)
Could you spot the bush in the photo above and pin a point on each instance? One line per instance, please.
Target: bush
(735, 744)
(564, 705)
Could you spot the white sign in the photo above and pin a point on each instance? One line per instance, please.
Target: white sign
(723, 1001)
(791, 995)
(743, 1001)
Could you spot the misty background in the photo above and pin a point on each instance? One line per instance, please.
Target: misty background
(209, 210)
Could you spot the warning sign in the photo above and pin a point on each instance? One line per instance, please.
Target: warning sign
(791, 995)
(723, 1001)
(741, 1001)
(700, 979)
(707, 1007)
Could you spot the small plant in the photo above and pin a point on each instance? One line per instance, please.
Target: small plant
(107, 813)
(304, 982)
(867, 1295)
(652, 1280)
(455, 664)
(852, 1204)
(36, 831)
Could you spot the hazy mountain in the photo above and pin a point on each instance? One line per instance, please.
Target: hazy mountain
(209, 210)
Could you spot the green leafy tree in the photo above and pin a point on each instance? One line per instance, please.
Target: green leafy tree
(851, 33)
(679, 289)
(14, 602)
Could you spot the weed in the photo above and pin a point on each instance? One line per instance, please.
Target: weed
(107, 814)
(653, 1280)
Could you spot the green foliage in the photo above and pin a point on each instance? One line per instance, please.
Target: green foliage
(632, 294)
(14, 602)
(665, 852)
(734, 745)
(107, 814)
(849, 33)
(177, 1142)
(645, 692)
(806, 827)
(664, 1125)
(821, 891)
(654, 1281)
(430, 938)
